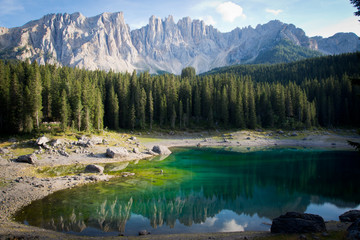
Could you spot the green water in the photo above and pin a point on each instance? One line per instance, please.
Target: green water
(205, 190)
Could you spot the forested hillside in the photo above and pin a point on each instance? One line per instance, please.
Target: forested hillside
(315, 92)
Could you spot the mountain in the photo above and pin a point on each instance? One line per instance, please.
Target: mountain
(106, 42)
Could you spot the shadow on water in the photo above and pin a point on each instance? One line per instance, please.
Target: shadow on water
(205, 190)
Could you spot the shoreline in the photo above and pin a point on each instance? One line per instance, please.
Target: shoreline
(21, 185)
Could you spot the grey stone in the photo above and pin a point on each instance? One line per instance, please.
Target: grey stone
(94, 169)
(42, 140)
(293, 222)
(161, 150)
(116, 152)
(96, 140)
(30, 159)
(63, 153)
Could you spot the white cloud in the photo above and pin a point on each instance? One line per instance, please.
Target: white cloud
(347, 25)
(209, 20)
(232, 226)
(273, 11)
(10, 6)
(230, 11)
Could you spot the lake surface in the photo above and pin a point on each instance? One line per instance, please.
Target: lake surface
(205, 190)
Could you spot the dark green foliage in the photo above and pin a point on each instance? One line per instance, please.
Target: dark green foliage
(284, 52)
(356, 4)
(313, 92)
(188, 72)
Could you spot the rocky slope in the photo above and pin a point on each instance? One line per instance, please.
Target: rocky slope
(106, 42)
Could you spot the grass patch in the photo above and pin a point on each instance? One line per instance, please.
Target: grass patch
(60, 170)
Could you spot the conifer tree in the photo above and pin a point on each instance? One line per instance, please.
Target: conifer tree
(64, 110)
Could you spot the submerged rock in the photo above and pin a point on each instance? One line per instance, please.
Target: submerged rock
(30, 159)
(162, 150)
(117, 152)
(143, 232)
(293, 222)
(350, 216)
(94, 169)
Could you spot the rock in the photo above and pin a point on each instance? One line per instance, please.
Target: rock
(143, 232)
(162, 150)
(96, 140)
(94, 169)
(350, 216)
(63, 153)
(150, 152)
(116, 152)
(280, 132)
(30, 159)
(4, 151)
(132, 138)
(354, 230)
(12, 140)
(294, 134)
(57, 142)
(198, 145)
(105, 142)
(248, 138)
(136, 150)
(42, 140)
(293, 222)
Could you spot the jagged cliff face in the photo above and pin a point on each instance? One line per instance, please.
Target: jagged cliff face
(106, 42)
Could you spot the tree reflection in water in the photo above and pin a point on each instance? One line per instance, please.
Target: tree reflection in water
(225, 191)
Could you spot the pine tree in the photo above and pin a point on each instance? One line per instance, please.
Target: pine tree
(173, 117)
(78, 114)
(16, 105)
(151, 110)
(224, 107)
(132, 117)
(99, 112)
(64, 111)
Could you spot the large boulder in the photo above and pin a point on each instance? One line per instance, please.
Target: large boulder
(42, 141)
(350, 216)
(354, 230)
(30, 159)
(293, 222)
(162, 150)
(116, 152)
(94, 169)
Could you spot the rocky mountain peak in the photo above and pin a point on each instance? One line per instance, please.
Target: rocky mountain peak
(106, 42)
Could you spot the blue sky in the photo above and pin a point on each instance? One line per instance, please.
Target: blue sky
(315, 17)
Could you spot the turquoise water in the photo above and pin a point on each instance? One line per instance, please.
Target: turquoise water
(205, 190)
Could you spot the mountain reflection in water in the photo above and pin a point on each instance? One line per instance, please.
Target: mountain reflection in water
(218, 191)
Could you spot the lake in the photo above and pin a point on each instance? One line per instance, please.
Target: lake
(205, 190)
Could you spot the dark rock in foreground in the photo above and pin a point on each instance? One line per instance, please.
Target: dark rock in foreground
(350, 216)
(293, 222)
(354, 231)
(30, 159)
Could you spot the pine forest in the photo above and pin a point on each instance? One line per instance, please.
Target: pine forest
(315, 92)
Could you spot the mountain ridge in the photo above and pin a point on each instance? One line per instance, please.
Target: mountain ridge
(106, 42)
